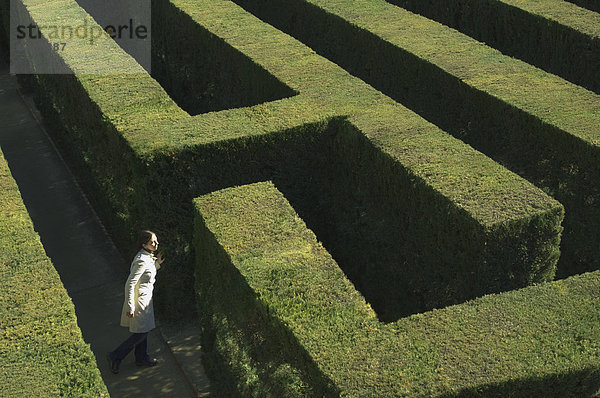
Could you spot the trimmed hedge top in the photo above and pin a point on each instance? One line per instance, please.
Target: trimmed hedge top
(43, 352)
(538, 341)
(555, 36)
(549, 98)
(476, 184)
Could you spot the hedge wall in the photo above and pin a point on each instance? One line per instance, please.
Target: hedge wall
(552, 34)
(144, 159)
(43, 352)
(281, 319)
(410, 250)
(536, 124)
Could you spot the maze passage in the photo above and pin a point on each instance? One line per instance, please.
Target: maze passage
(213, 77)
(415, 218)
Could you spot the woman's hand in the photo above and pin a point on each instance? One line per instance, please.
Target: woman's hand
(130, 314)
(160, 258)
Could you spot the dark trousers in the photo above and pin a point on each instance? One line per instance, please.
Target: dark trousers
(137, 340)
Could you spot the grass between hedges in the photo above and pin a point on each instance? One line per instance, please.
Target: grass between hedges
(554, 35)
(282, 315)
(534, 123)
(43, 352)
(146, 158)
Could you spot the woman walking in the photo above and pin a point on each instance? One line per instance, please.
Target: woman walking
(138, 309)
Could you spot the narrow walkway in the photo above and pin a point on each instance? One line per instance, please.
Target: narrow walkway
(90, 267)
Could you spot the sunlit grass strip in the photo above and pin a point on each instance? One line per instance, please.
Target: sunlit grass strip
(287, 322)
(554, 35)
(42, 351)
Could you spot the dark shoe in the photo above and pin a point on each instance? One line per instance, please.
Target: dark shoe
(147, 362)
(112, 364)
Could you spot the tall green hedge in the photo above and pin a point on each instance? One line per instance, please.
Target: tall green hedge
(553, 35)
(410, 250)
(280, 318)
(42, 351)
(144, 159)
(536, 124)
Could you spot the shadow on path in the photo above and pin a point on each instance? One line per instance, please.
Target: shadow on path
(90, 267)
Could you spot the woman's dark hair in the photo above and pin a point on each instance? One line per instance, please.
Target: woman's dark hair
(143, 238)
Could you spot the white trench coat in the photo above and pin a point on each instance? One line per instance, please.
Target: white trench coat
(138, 293)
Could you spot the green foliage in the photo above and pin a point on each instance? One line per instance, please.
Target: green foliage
(43, 352)
(412, 250)
(202, 72)
(262, 357)
(144, 159)
(534, 123)
(553, 35)
(270, 295)
(416, 218)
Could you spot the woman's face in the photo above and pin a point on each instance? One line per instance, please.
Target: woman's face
(152, 244)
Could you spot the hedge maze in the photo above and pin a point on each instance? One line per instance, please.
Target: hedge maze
(410, 169)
